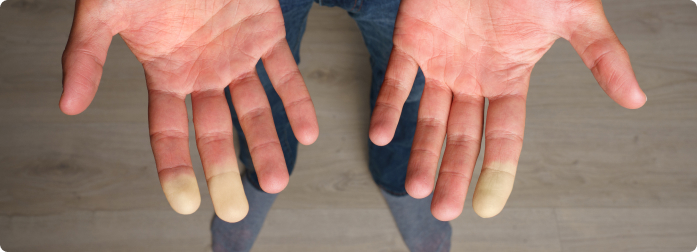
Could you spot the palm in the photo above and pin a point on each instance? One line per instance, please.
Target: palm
(198, 48)
(186, 48)
(493, 45)
(472, 50)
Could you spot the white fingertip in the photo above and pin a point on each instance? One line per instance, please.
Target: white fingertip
(228, 196)
(183, 194)
(494, 186)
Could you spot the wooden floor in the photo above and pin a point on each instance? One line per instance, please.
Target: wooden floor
(592, 176)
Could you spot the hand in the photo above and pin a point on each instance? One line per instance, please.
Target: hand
(470, 50)
(198, 48)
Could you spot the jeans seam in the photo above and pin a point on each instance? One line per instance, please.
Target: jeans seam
(355, 2)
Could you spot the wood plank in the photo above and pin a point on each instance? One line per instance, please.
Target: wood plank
(515, 229)
(628, 229)
(126, 230)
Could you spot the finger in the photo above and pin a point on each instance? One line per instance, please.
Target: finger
(289, 84)
(254, 113)
(428, 139)
(169, 138)
(604, 55)
(399, 78)
(214, 141)
(464, 137)
(83, 58)
(505, 123)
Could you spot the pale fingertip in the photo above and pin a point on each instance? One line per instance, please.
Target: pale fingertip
(493, 188)
(227, 194)
(182, 194)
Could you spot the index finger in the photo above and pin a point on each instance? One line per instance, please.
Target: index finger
(290, 86)
(256, 119)
(399, 79)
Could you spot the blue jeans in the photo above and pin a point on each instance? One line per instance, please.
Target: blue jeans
(387, 164)
(375, 18)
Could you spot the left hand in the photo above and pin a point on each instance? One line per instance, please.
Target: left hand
(475, 49)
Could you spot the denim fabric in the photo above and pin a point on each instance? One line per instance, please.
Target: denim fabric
(375, 19)
(295, 17)
(240, 236)
(387, 164)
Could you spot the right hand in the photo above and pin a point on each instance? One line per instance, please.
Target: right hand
(198, 48)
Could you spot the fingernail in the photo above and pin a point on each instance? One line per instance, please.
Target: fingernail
(182, 193)
(493, 188)
(227, 193)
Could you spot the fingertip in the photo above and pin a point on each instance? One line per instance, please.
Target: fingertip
(636, 100)
(378, 139)
(444, 212)
(68, 107)
(228, 196)
(78, 91)
(379, 135)
(443, 206)
(450, 193)
(624, 90)
(486, 211)
(307, 139)
(418, 188)
(383, 125)
(309, 135)
(493, 188)
(186, 203)
(303, 120)
(487, 206)
(71, 104)
(181, 191)
(273, 183)
(233, 215)
(273, 187)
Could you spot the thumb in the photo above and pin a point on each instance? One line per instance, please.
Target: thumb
(84, 57)
(604, 55)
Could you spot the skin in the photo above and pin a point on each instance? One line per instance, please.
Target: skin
(198, 48)
(470, 50)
